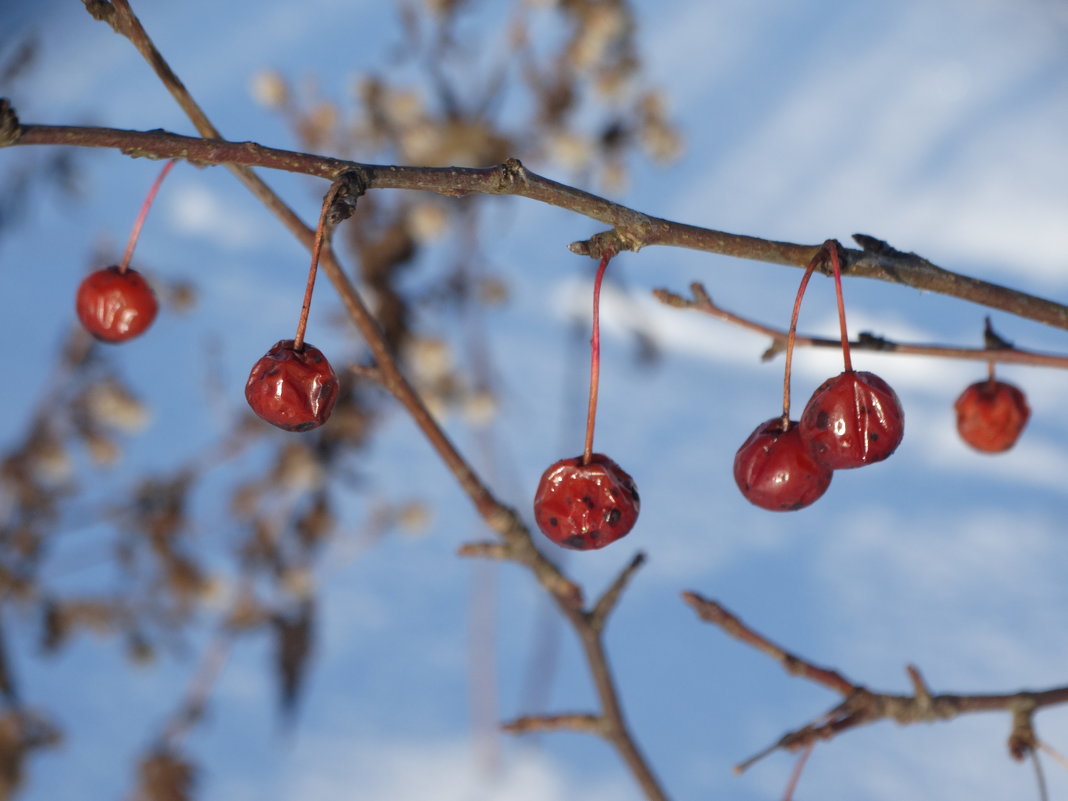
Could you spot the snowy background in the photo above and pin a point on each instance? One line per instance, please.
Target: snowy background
(938, 126)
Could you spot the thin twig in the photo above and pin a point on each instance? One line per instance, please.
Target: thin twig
(714, 612)
(530, 724)
(861, 706)
(607, 602)
(702, 302)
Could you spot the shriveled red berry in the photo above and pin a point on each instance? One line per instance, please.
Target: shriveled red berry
(991, 415)
(775, 469)
(292, 389)
(852, 420)
(586, 506)
(115, 305)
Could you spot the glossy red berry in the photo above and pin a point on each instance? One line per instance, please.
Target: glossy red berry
(775, 469)
(586, 506)
(852, 420)
(292, 389)
(115, 305)
(991, 415)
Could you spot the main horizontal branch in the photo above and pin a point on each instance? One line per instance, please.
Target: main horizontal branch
(631, 229)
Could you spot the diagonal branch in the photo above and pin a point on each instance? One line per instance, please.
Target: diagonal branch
(518, 543)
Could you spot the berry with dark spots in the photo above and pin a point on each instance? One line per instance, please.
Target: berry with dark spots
(292, 389)
(586, 506)
(115, 305)
(991, 415)
(852, 420)
(775, 469)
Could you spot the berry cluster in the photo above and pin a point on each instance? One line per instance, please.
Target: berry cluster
(588, 501)
(852, 420)
(292, 387)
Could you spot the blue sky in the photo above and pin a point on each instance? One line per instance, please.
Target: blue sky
(936, 126)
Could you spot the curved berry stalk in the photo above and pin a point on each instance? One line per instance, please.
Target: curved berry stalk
(116, 303)
(991, 414)
(855, 418)
(293, 386)
(588, 501)
(774, 468)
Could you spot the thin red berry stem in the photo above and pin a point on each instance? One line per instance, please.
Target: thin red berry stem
(595, 358)
(317, 249)
(791, 336)
(834, 247)
(795, 774)
(141, 215)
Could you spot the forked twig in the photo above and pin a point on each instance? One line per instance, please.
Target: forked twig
(860, 706)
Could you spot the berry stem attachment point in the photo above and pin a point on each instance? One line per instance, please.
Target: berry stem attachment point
(834, 248)
(595, 357)
(791, 334)
(317, 248)
(142, 214)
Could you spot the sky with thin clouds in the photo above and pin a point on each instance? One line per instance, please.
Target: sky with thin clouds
(936, 126)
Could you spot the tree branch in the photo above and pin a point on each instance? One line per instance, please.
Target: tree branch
(1003, 352)
(861, 706)
(518, 543)
(632, 230)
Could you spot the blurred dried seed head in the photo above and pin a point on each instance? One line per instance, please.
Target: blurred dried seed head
(269, 89)
(427, 221)
(414, 517)
(296, 468)
(111, 405)
(480, 407)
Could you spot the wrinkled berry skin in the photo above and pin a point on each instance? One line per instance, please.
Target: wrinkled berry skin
(585, 507)
(775, 469)
(991, 415)
(115, 306)
(852, 420)
(292, 389)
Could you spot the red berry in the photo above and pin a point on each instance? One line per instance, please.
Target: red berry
(292, 389)
(586, 506)
(115, 305)
(775, 469)
(991, 414)
(852, 420)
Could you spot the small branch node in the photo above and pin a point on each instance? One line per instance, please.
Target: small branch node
(777, 346)
(700, 294)
(606, 243)
(1022, 739)
(101, 10)
(351, 185)
(992, 340)
(512, 172)
(919, 686)
(10, 130)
